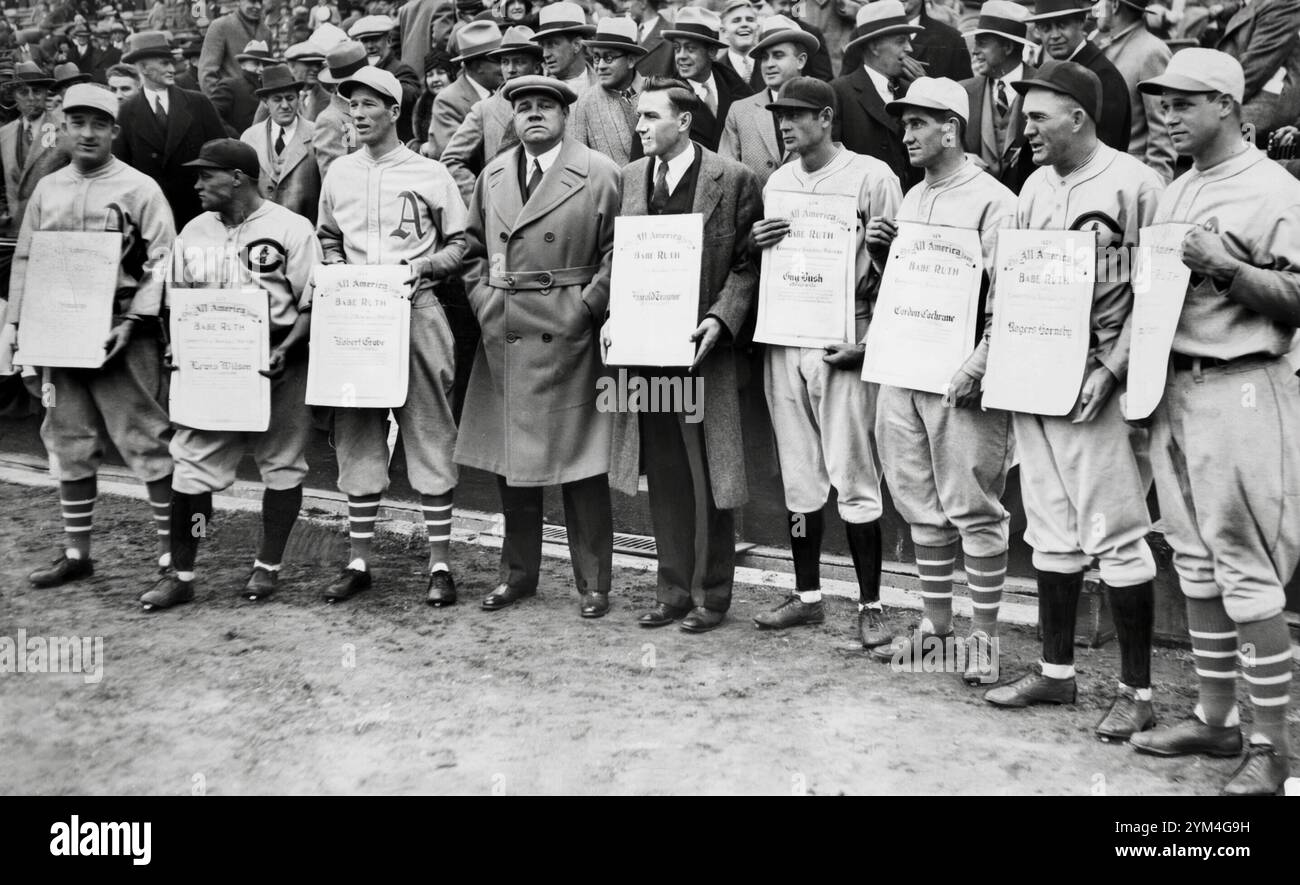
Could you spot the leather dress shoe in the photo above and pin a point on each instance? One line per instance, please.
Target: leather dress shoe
(662, 615)
(1033, 688)
(794, 612)
(702, 620)
(505, 596)
(594, 605)
(1188, 737)
(348, 584)
(261, 583)
(981, 659)
(910, 652)
(1263, 772)
(62, 571)
(1127, 717)
(167, 592)
(442, 589)
(872, 628)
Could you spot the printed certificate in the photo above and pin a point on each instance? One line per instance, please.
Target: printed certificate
(1159, 286)
(360, 336)
(220, 343)
(68, 294)
(654, 289)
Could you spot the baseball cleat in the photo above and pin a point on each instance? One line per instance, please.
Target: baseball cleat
(1033, 688)
(794, 612)
(442, 589)
(1263, 772)
(261, 583)
(1188, 737)
(167, 592)
(1126, 717)
(872, 628)
(348, 584)
(62, 571)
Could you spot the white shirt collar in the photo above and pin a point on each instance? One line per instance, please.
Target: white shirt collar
(478, 87)
(545, 160)
(289, 130)
(880, 81)
(678, 166)
(153, 96)
(648, 25)
(1077, 49)
(740, 61)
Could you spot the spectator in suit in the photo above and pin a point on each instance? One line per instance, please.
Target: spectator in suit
(24, 142)
(938, 50)
(29, 46)
(335, 134)
(739, 30)
(561, 28)
(1263, 36)
(480, 75)
(373, 32)
(1062, 25)
(862, 124)
(306, 60)
(652, 17)
(163, 127)
(819, 63)
(751, 135)
(224, 41)
(489, 127)
(835, 20)
(604, 119)
(85, 55)
(184, 58)
(289, 174)
(236, 98)
(995, 136)
(1140, 55)
(695, 39)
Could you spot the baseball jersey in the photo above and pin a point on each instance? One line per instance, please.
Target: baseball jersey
(876, 188)
(1254, 205)
(971, 199)
(398, 208)
(1115, 195)
(114, 197)
(273, 249)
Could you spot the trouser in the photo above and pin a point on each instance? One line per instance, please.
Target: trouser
(120, 402)
(587, 520)
(695, 539)
(1227, 472)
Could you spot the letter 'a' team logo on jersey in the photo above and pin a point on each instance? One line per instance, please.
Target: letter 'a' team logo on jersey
(264, 256)
(410, 219)
(1108, 230)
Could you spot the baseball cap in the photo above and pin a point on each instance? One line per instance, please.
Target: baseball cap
(91, 96)
(936, 94)
(533, 83)
(378, 79)
(1067, 78)
(804, 93)
(1199, 70)
(230, 154)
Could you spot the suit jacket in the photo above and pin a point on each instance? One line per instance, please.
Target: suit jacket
(825, 16)
(706, 129)
(191, 121)
(940, 47)
(604, 121)
(292, 179)
(450, 109)
(755, 80)
(1263, 36)
(188, 80)
(93, 62)
(1017, 160)
(658, 60)
(236, 101)
(43, 157)
(1140, 55)
(819, 63)
(487, 130)
(728, 196)
(1116, 117)
(749, 137)
(413, 21)
(334, 136)
(863, 126)
(225, 38)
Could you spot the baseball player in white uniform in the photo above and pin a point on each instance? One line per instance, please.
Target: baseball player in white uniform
(944, 457)
(1223, 450)
(239, 241)
(822, 411)
(1082, 490)
(385, 204)
(119, 401)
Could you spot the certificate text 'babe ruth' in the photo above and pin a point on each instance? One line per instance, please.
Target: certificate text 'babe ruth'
(71, 283)
(654, 289)
(1041, 320)
(360, 336)
(220, 344)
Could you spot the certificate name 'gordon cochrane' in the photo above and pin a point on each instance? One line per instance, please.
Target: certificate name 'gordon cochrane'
(654, 289)
(923, 327)
(1041, 320)
(805, 290)
(360, 336)
(220, 345)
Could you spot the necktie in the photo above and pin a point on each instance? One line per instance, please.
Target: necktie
(535, 179)
(895, 87)
(1002, 105)
(279, 142)
(706, 96)
(659, 198)
(24, 143)
(629, 95)
(160, 114)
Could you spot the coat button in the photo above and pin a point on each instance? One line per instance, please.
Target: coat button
(511, 337)
(504, 236)
(510, 281)
(546, 336)
(544, 281)
(549, 237)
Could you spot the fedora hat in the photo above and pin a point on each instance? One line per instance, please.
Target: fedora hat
(256, 50)
(68, 74)
(1002, 18)
(30, 73)
(476, 39)
(277, 78)
(517, 38)
(342, 62)
(1045, 9)
(563, 18)
(696, 23)
(146, 44)
(779, 29)
(881, 19)
(618, 34)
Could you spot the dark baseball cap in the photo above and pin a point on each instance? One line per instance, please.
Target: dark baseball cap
(804, 93)
(227, 153)
(1067, 78)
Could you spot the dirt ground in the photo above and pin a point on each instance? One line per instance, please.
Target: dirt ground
(383, 694)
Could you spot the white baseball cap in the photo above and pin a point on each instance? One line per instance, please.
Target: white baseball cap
(1199, 70)
(936, 94)
(378, 79)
